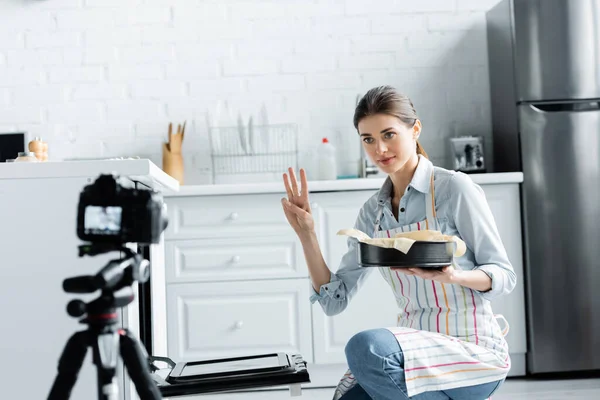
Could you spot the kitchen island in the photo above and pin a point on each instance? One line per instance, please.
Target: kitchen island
(39, 247)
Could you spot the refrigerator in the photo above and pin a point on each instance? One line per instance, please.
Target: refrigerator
(544, 65)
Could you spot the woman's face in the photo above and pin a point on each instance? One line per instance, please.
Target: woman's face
(388, 141)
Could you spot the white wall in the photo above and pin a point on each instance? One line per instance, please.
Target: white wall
(100, 78)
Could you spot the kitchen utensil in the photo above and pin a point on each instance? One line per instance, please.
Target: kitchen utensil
(253, 137)
(422, 254)
(213, 137)
(172, 163)
(176, 140)
(170, 135)
(263, 132)
(242, 133)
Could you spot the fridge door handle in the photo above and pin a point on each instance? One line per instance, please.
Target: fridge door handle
(554, 107)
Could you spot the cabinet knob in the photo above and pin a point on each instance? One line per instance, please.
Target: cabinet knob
(239, 324)
(235, 259)
(233, 216)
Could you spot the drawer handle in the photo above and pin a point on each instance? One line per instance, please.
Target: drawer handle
(233, 216)
(235, 259)
(239, 324)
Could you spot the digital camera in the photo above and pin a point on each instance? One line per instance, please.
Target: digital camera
(110, 213)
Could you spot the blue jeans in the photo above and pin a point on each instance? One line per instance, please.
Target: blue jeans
(377, 362)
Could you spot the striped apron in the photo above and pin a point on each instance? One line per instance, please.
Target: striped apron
(448, 333)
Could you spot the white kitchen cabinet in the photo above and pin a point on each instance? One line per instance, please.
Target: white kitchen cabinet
(228, 319)
(504, 201)
(241, 258)
(238, 284)
(226, 216)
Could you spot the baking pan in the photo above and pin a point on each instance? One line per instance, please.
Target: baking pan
(423, 254)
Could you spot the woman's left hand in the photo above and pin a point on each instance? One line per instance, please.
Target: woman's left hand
(445, 275)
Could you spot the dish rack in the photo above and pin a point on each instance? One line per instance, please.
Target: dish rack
(258, 149)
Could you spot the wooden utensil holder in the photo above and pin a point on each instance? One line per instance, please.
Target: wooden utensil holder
(172, 164)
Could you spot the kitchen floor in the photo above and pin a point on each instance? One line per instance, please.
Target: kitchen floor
(513, 389)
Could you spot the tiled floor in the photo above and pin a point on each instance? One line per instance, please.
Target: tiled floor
(513, 389)
(576, 389)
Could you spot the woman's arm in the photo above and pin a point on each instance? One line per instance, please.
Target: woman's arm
(298, 213)
(493, 274)
(476, 226)
(475, 279)
(317, 268)
(333, 291)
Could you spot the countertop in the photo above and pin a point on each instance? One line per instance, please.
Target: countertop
(140, 170)
(326, 186)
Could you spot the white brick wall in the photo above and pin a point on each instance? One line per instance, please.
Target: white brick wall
(100, 78)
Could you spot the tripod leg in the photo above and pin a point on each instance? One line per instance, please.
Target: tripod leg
(106, 354)
(69, 365)
(136, 362)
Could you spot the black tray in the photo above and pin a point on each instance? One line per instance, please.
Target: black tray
(292, 371)
(423, 254)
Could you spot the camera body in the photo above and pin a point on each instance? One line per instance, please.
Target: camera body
(113, 214)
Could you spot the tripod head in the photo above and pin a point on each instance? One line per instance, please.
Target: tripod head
(115, 280)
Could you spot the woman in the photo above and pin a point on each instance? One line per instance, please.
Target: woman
(448, 344)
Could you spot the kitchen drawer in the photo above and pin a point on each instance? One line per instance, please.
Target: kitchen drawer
(225, 216)
(228, 319)
(227, 259)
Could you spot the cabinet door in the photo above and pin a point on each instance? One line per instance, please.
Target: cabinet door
(230, 319)
(373, 306)
(505, 203)
(250, 258)
(225, 216)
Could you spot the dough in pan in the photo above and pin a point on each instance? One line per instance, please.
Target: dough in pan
(404, 240)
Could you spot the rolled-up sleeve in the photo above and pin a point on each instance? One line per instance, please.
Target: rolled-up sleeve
(343, 284)
(476, 226)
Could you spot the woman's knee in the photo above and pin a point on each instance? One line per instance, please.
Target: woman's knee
(371, 346)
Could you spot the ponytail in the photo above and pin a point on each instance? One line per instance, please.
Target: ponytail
(421, 151)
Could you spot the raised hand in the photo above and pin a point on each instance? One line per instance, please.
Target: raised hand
(297, 206)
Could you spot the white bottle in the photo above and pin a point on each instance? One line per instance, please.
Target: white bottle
(327, 162)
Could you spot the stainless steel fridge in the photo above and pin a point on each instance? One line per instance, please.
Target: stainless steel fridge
(544, 63)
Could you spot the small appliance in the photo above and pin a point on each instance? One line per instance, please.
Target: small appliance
(467, 154)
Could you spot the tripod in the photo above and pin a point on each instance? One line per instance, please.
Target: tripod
(103, 335)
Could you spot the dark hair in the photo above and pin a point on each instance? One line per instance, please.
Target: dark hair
(387, 100)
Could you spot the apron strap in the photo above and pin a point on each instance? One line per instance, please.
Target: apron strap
(430, 205)
(506, 325)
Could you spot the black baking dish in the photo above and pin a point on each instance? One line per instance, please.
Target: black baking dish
(424, 254)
